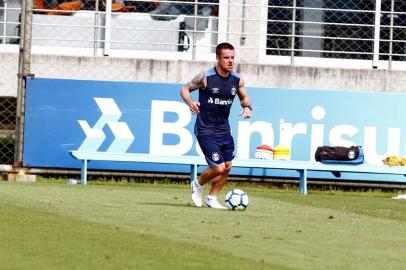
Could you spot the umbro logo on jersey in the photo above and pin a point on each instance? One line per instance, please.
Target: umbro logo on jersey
(215, 90)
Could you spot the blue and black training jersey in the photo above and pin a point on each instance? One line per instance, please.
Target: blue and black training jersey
(215, 102)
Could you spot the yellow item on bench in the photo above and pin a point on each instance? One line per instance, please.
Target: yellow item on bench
(395, 161)
(281, 152)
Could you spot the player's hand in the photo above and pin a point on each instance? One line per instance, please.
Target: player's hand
(194, 107)
(246, 112)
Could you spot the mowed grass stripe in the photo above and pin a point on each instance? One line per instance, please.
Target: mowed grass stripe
(280, 230)
(376, 204)
(32, 239)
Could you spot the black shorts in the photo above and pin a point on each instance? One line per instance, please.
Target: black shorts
(217, 148)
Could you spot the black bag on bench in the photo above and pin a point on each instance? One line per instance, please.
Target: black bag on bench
(339, 155)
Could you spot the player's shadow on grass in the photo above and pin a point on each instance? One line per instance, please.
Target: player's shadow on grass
(181, 204)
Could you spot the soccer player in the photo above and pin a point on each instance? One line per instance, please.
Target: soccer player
(217, 89)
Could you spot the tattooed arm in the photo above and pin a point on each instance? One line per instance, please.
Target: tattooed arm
(199, 81)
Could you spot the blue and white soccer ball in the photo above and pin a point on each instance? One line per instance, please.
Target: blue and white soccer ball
(237, 200)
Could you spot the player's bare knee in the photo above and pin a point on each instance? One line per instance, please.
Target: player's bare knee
(220, 168)
(227, 167)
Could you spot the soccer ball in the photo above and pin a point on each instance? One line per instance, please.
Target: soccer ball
(237, 200)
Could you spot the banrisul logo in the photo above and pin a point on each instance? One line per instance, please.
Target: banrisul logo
(110, 114)
(218, 101)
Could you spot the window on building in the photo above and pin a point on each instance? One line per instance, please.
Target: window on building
(349, 29)
(393, 31)
(280, 28)
(321, 28)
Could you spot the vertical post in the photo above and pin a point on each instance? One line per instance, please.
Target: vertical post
(4, 22)
(223, 21)
(243, 22)
(228, 20)
(83, 172)
(392, 10)
(312, 44)
(292, 45)
(194, 32)
(377, 33)
(107, 29)
(193, 172)
(303, 181)
(96, 28)
(24, 64)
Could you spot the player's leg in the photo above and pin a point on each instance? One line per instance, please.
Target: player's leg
(215, 174)
(212, 153)
(207, 175)
(219, 181)
(211, 173)
(227, 153)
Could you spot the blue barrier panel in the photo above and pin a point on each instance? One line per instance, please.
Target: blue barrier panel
(134, 117)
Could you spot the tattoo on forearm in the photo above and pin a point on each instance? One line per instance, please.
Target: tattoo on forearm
(197, 81)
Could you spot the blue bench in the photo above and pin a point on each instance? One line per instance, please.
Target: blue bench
(303, 167)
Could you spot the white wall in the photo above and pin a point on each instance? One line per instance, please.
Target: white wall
(122, 69)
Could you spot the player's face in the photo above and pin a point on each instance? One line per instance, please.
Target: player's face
(226, 60)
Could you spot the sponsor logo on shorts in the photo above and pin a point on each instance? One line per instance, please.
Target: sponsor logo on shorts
(215, 156)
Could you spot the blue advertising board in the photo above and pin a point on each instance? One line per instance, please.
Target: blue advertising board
(135, 117)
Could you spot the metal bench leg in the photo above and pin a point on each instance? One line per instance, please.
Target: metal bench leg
(83, 172)
(193, 172)
(303, 182)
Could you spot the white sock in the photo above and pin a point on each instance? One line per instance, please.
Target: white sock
(198, 184)
(211, 197)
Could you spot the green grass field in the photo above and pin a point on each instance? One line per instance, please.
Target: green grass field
(154, 226)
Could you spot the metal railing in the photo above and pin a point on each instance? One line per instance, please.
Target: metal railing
(344, 29)
(350, 33)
